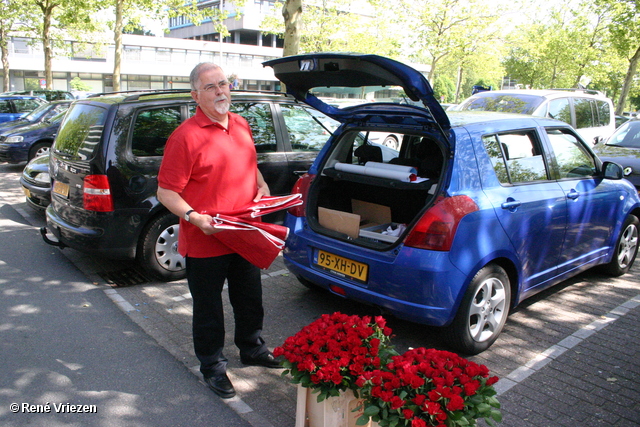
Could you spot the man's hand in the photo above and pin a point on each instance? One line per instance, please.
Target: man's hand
(263, 188)
(203, 222)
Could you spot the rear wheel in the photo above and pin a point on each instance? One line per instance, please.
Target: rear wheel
(158, 249)
(482, 313)
(626, 249)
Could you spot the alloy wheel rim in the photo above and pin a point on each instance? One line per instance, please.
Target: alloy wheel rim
(627, 246)
(487, 310)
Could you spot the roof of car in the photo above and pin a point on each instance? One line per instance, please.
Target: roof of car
(160, 95)
(547, 93)
(465, 118)
(2, 96)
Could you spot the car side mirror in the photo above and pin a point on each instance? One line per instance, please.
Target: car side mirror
(612, 170)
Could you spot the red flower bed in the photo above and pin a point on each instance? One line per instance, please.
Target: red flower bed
(428, 387)
(332, 352)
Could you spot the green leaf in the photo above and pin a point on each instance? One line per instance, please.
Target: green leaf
(370, 411)
(362, 420)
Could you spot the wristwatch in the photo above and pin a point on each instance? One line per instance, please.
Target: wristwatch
(186, 215)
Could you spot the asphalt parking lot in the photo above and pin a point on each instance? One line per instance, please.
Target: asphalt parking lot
(568, 356)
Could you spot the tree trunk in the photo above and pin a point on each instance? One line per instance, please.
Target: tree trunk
(292, 13)
(458, 85)
(628, 81)
(117, 36)
(4, 51)
(46, 44)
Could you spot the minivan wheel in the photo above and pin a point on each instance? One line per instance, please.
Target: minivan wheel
(482, 313)
(158, 249)
(626, 249)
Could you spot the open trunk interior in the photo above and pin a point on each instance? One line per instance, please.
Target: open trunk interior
(371, 194)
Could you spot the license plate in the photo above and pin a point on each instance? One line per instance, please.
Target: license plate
(26, 192)
(344, 267)
(61, 188)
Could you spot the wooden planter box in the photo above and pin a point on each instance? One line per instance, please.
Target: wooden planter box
(331, 412)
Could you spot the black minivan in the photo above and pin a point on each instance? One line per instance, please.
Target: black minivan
(105, 161)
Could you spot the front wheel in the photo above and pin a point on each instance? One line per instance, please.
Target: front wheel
(158, 249)
(482, 313)
(39, 149)
(626, 249)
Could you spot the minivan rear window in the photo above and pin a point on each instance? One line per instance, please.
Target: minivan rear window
(81, 131)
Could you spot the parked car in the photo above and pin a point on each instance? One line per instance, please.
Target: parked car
(479, 212)
(623, 147)
(46, 94)
(36, 183)
(14, 107)
(589, 112)
(620, 120)
(40, 114)
(106, 157)
(23, 143)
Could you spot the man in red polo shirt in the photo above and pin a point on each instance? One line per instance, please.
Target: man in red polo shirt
(210, 166)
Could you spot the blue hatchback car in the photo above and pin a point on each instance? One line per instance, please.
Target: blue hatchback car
(477, 212)
(14, 107)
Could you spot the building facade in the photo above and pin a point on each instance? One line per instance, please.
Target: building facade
(158, 62)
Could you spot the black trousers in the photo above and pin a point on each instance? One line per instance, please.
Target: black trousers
(206, 277)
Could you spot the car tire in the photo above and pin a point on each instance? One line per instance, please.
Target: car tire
(482, 313)
(158, 249)
(391, 142)
(626, 249)
(39, 149)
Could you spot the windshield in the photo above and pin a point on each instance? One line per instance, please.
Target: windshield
(80, 131)
(504, 103)
(627, 135)
(37, 113)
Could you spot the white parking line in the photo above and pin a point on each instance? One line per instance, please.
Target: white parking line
(543, 358)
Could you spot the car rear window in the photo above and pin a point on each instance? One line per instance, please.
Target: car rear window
(81, 131)
(505, 103)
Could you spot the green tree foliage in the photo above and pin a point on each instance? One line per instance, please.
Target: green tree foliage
(562, 49)
(444, 89)
(11, 13)
(77, 84)
(55, 21)
(334, 25)
(624, 28)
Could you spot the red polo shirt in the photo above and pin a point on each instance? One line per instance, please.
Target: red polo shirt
(214, 170)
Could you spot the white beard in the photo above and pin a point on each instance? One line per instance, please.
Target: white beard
(222, 107)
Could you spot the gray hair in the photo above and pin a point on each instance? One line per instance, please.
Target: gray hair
(199, 69)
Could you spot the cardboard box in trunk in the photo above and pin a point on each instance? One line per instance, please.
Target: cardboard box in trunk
(365, 215)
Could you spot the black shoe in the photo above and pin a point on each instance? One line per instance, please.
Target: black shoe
(265, 359)
(221, 385)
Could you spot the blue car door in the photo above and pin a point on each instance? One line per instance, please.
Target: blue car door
(592, 202)
(529, 205)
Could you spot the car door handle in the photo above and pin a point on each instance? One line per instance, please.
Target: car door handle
(511, 204)
(573, 194)
(300, 173)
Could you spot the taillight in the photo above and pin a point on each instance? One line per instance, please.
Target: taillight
(302, 187)
(437, 227)
(97, 194)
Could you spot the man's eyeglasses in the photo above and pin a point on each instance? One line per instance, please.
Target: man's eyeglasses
(212, 87)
